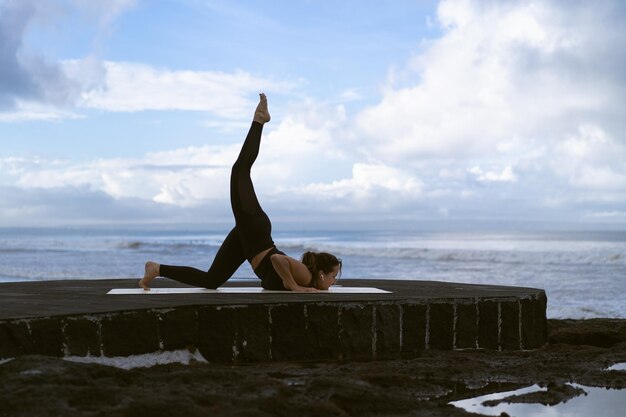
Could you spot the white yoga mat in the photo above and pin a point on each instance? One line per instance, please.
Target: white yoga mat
(240, 290)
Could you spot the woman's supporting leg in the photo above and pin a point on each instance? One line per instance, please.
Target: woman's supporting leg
(229, 257)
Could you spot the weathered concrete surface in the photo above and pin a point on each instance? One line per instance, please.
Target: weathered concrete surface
(59, 318)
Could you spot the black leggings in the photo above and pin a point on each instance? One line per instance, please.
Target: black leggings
(252, 233)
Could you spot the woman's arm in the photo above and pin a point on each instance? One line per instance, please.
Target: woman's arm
(282, 266)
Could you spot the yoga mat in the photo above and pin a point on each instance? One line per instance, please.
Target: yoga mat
(240, 290)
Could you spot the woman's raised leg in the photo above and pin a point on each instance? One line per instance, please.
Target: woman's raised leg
(253, 225)
(252, 233)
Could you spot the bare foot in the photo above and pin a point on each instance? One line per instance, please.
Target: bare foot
(151, 272)
(262, 114)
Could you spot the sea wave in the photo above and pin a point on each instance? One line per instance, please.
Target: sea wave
(436, 251)
(176, 245)
(598, 257)
(19, 250)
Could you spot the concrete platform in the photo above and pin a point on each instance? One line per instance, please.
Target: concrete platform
(76, 317)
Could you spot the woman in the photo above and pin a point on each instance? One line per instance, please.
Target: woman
(251, 238)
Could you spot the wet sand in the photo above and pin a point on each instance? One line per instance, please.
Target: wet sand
(578, 351)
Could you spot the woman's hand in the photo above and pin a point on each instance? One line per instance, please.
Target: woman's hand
(304, 289)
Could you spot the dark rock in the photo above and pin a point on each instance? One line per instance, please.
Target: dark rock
(600, 338)
(387, 331)
(466, 326)
(441, 326)
(488, 324)
(217, 332)
(530, 336)
(82, 336)
(355, 332)
(253, 334)
(288, 328)
(15, 339)
(322, 331)
(541, 321)
(509, 328)
(47, 336)
(130, 333)
(603, 333)
(32, 385)
(178, 328)
(413, 329)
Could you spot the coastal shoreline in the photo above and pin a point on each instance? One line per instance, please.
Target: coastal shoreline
(579, 351)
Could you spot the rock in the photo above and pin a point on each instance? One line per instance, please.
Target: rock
(595, 332)
(424, 384)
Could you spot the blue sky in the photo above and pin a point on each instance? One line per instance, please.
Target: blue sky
(405, 112)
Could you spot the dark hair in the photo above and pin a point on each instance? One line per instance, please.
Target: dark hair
(320, 261)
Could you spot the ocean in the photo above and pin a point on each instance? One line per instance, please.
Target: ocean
(583, 273)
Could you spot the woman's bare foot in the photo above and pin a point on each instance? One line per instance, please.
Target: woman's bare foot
(151, 272)
(262, 114)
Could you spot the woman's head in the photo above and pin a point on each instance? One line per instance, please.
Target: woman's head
(324, 267)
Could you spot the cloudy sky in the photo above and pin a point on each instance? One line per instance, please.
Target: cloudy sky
(406, 112)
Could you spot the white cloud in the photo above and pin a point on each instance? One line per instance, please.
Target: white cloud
(506, 175)
(29, 79)
(76, 205)
(502, 71)
(365, 184)
(34, 87)
(608, 214)
(24, 111)
(190, 177)
(311, 142)
(25, 75)
(523, 96)
(591, 159)
(128, 87)
(134, 87)
(300, 147)
(516, 110)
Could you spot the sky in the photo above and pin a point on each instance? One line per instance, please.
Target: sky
(400, 113)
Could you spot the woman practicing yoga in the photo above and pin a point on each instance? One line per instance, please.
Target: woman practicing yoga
(251, 238)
